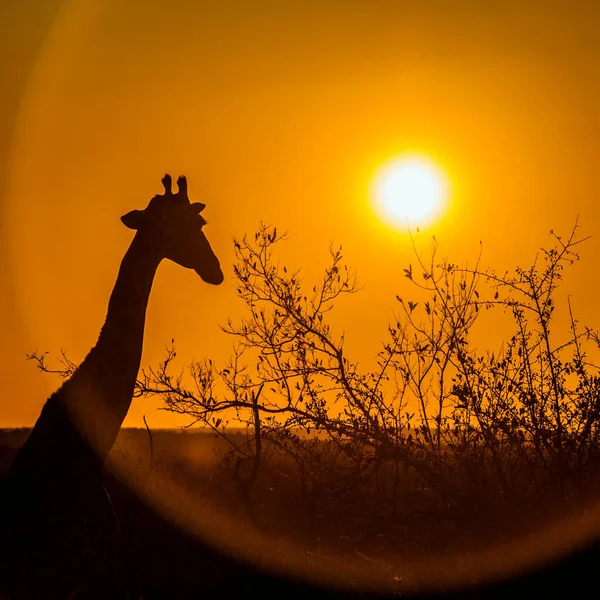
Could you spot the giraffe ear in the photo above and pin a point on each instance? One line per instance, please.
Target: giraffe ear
(197, 207)
(133, 219)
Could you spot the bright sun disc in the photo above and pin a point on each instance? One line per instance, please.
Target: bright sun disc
(409, 189)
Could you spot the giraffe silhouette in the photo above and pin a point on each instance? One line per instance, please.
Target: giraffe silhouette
(55, 483)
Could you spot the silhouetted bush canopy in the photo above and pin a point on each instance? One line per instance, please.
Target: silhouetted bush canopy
(444, 445)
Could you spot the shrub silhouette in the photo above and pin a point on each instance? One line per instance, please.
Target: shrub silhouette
(471, 427)
(444, 446)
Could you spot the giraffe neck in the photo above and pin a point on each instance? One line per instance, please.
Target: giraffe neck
(99, 394)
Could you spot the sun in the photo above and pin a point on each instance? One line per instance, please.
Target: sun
(409, 190)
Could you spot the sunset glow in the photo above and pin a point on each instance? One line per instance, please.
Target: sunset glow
(409, 190)
(354, 349)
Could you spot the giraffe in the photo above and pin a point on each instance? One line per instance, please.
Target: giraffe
(56, 475)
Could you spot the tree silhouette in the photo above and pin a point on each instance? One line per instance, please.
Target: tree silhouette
(471, 425)
(446, 437)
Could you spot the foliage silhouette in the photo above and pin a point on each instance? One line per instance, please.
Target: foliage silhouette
(445, 446)
(470, 428)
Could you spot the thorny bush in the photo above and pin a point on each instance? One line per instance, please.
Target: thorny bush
(440, 425)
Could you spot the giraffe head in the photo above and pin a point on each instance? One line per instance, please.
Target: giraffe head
(175, 225)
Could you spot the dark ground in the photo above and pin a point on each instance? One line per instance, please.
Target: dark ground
(151, 558)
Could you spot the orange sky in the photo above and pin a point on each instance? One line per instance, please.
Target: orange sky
(281, 112)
